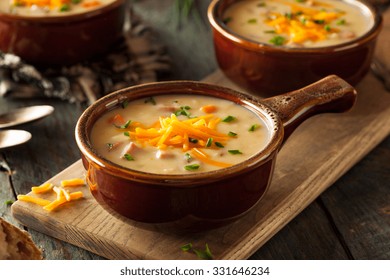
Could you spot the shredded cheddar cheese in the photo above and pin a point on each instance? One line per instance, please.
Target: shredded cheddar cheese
(34, 199)
(204, 157)
(178, 133)
(42, 188)
(304, 23)
(55, 4)
(62, 195)
(72, 182)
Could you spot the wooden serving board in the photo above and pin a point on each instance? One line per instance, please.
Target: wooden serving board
(320, 151)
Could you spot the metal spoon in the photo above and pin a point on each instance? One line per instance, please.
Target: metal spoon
(24, 115)
(379, 69)
(11, 138)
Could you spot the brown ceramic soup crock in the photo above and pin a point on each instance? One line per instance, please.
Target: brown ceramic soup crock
(203, 199)
(267, 70)
(62, 40)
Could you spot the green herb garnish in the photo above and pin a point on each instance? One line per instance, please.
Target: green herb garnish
(9, 202)
(341, 22)
(186, 247)
(327, 27)
(229, 119)
(64, 8)
(183, 111)
(278, 40)
(232, 134)
(253, 127)
(188, 157)
(126, 133)
(126, 125)
(270, 31)
(319, 21)
(76, 1)
(204, 255)
(235, 152)
(128, 157)
(110, 146)
(125, 103)
(193, 140)
(252, 20)
(227, 20)
(192, 167)
(209, 142)
(219, 145)
(150, 100)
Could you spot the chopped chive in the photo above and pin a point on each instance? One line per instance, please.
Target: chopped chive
(126, 133)
(204, 255)
(128, 157)
(150, 100)
(9, 202)
(188, 157)
(277, 40)
(125, 103)
(227, 20)
(64, 8)
(319, 21)
(192, 167)
(193, 140)
(327, 27)
(219, 145)
(183, 111)
(76, 1)
(186, 247)
(235, 152)
(232, 134)
(270, 31)
(288, 15)
(253, 127)
(209, 142)
(341, 22)
(126, 125)
(252, 20)
(229, 119)
(262, 4)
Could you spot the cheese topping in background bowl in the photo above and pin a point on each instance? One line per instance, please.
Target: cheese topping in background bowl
(298, 23)
(50, 7)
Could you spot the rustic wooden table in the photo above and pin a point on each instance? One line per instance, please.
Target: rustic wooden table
(350, 220)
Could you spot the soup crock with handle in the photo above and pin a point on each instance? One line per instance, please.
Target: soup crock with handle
(204, 199)
(267, 70)
(65, 39)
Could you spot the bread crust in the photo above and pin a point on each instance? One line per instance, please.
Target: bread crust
(16, 244)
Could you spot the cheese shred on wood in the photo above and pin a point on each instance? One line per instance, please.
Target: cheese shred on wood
(62, 195)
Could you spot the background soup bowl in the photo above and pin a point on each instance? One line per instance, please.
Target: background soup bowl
(65, 39)
(266, 70)
(205, 199)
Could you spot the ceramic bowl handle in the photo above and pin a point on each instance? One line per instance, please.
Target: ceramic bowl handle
(331, 94)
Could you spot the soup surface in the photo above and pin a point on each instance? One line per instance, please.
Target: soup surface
(178, 134)
(50, 7)
(298, 23)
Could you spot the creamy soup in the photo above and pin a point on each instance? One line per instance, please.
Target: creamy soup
(50, 7)
(178, 134)
(298, 23)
